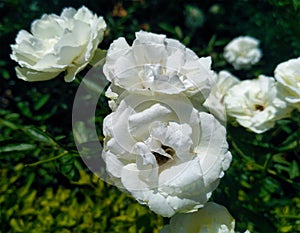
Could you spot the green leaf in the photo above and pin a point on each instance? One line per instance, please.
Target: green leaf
(26, 187)
(166, 27)
(17, 147)
(186, 40)
(296, 4)
(38, 135)
(278, 158)
(17, 225)
(294, 170)
(281, 168)
(48, 114)
(25, 109)
(8, 124)
(42, 101)
(68, 168)
(178, 32)
(211, 43)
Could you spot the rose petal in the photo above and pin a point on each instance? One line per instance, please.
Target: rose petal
(139, 122)
(32, 75)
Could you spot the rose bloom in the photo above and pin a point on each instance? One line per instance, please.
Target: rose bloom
(256, 104)
(212, 218)
(58, 43)
(288, 76)
(215, 101)
(242, 52)
(163, 151)
(155, 63)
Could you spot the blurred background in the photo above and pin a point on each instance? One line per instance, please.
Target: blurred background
(44, 185)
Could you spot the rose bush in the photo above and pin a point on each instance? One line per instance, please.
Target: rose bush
(166, 153)
(256, 104)
(58, 43)
(165, 150)
(288, 75)
(242, 52)
(211, 218)
(155, 63)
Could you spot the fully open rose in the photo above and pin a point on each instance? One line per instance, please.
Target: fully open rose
(155, 63)
(166, 153)
(58, 43)
(256, 104)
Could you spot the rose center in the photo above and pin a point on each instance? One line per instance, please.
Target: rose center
(259, 107)
(161, 159)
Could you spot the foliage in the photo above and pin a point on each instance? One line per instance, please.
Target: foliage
(267, 184)
(46, 188)
(36, 197)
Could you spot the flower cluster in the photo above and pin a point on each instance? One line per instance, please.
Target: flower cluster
(158, 146)
(256, 104)
(165, 139)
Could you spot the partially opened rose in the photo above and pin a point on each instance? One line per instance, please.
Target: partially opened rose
(242, 52)
(163, 151)
(56, 44)
(215, 101)
(288, 75)
(212, 218)
(155, 63)
(256, 104)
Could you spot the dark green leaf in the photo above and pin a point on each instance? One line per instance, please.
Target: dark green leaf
(166, 27)
(41, 102)
(25, 109)
(68, 167)
(294, 170)
(38, 135)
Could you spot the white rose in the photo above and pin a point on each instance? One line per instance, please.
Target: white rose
(242, 52)
(256, 104)
(212, 218)
(166, 153)
(155, 63)
(215, 101)
(58, 43)
(288, 75)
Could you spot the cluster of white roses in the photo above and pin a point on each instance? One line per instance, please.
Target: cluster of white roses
(158, 146)
(165, 140)
(258, 103)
